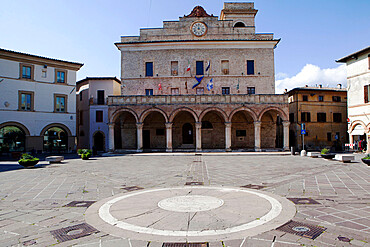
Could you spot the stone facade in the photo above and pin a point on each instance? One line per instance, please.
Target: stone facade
(324, 113)
(163, 108)
(358, 84)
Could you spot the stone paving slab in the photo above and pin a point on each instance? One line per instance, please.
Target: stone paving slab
(32, 200)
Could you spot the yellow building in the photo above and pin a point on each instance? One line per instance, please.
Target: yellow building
(323, 111)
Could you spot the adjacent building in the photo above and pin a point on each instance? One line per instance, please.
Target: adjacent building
(199, 83)
(37, 103)
(92, 110)
(358, 85)
(323, 112)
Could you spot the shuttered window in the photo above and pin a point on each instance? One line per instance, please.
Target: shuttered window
(366, 93)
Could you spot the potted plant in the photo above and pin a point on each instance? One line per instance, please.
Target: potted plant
(84, 153)
(366, 159)
(28, 160)
(325, 154)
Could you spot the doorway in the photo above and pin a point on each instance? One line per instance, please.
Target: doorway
(99, 141)
(146, 139)
(187, 134)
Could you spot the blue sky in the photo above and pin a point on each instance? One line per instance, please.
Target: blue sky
(313, 33)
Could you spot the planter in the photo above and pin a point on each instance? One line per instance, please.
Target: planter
(28, 163)
(366, 161)
(328, 156)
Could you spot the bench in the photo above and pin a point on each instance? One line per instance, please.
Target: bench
(345, 158)
(313, 154)
(54, 159)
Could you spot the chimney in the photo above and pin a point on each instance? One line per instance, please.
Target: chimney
(320, 86)
(339, 86)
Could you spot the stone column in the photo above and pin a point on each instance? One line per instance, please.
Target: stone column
(368, 142)
(169, 137)
(257, 136)
(111, 137)
(228, 136)
(286, 135)
(198, 136)
(139, 131)
(351, 141)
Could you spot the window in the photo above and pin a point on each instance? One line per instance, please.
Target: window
(337, 117)
(291, 117)
(321, 98)
(251, 90)
(159, 132)
(80, 95)
(241, 133)
(200, 68)
(174, 68)
(81, 117)
(43, 73)
(101, 97)
(305, 117)
(99, 116)
(175, 91)
(225, 67)
(149, 69)
(366, 93)
(321, 117)
(336, 99)
(304, 97)
(25, 102)
(26, 71)
(239, 24)
(60, 103)
(337, 136)
(250, 67)
(225, 90)
(200, 90)
(328, 136)
(207, 125)
(60, 76)
(148, 92)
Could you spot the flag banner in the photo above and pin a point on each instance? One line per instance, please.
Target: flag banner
(159, 86)
(208, 66)
(210, 85)
(186, 85)
(199, 79)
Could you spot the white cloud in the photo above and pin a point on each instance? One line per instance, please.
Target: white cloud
(312, 75)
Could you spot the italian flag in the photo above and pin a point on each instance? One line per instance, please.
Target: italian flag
(188, 68)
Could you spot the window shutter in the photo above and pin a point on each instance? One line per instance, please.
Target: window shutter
(366, 93)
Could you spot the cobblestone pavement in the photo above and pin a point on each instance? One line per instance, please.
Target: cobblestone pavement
(33, 201)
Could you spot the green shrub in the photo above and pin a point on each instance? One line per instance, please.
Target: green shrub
(28, 159)
(367, 157)
(324, 151)
(85, 153)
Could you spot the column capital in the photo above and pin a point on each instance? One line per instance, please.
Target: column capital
(139, 125)
(111, 124)
(257, 123)
(169, 124)
(228, 124)
(286, 123)
(198, 125)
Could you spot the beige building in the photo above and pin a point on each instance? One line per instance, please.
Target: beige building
(323, 111)
(199, 83)
(92, 110)
(358, 84)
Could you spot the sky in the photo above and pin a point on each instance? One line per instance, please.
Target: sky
(313, 33)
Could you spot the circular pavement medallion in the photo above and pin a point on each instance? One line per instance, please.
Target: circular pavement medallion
(190, 214)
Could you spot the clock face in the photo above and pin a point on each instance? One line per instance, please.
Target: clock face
(199, 29)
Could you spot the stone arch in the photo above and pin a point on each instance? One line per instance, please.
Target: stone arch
(272, 108)
(175, 112)
(56, 125)
(243, 108)
(16, 124)
(150, 110)
(205, 111)
(355, 123)
(239, 24)
(117, 113)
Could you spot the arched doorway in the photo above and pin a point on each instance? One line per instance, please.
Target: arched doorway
(272, 135)
(12, 139)
(55, 140)
(154, 131)
(183, 130)
(242, 131)
(213, 130)
(187, 134)
(99, 141)
(125, 136)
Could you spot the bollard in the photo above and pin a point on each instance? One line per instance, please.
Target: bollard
(303, 153)
(291, 150)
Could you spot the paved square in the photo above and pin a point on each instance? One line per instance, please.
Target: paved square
(32, 200)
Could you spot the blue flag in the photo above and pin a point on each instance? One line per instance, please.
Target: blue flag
(199, 79)
(210, 85)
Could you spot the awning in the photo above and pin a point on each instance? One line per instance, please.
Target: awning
(358, 130)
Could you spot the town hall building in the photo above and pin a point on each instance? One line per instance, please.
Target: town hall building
(200, 83)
